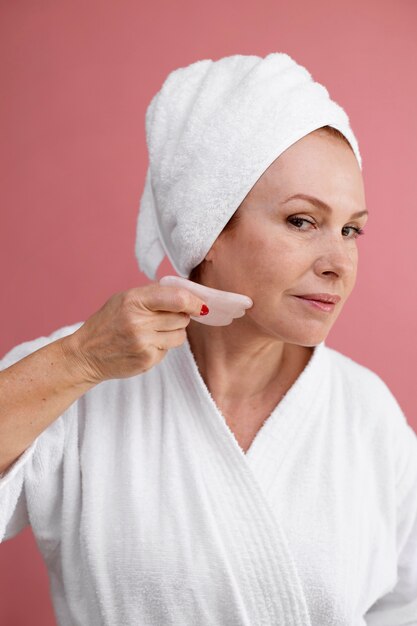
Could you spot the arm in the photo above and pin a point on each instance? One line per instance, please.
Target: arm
(40, 383)
(33, 393)
(399, 606)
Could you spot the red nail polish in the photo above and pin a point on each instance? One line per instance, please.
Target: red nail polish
(204, 310)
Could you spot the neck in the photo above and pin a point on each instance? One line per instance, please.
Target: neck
(240, 366)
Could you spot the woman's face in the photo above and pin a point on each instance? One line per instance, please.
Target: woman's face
(282, 247)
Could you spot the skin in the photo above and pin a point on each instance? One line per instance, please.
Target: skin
(250, 364)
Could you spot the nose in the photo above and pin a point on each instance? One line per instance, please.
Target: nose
(336, 258)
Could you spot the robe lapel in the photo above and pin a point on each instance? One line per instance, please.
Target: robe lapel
(274, 439)
(239, 485)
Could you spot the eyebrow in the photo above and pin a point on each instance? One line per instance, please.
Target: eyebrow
(320, 204)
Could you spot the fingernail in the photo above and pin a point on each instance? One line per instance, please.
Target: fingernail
(204, 310)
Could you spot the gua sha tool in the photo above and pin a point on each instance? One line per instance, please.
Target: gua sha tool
(224, 306)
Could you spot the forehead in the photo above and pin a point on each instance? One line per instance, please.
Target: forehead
(318, 165)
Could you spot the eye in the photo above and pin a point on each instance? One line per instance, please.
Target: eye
(357, 231)
(294, 220)
(297, 221)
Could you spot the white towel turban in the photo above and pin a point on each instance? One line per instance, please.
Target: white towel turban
(212, 129)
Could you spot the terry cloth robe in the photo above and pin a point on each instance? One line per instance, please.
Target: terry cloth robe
(147, 511)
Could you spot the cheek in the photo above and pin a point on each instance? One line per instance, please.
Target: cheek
(276, 258)
(265, 257)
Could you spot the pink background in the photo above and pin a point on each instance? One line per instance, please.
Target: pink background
(77, 78)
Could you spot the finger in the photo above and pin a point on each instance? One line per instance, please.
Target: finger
(164, 340)
(175, 299)
(163, 321)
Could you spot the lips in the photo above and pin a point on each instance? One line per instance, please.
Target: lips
(321, 297)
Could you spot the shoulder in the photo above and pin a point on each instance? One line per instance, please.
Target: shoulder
(351, 368)
(374, 414)
(23, 349)
(358, 377)
(365, 394)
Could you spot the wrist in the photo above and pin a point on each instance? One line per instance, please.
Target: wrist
(75, 364)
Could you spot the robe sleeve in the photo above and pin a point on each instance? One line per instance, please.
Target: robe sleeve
(42, 458)
(399, 606)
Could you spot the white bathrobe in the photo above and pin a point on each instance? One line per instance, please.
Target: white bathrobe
(147, 512)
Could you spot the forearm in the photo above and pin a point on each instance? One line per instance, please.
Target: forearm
(33, 393)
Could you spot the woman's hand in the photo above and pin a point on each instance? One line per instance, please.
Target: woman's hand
(131, 332)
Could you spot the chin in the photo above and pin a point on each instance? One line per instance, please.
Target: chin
(312, 345)
(296, 330)
(307, 338)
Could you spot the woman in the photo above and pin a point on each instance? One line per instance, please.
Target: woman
(179, 473)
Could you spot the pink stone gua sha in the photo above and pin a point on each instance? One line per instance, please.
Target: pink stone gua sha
(224, 306)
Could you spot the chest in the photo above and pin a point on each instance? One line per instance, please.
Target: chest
(246, 421)
(245, 427)
(169, 500)
(172, 516)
